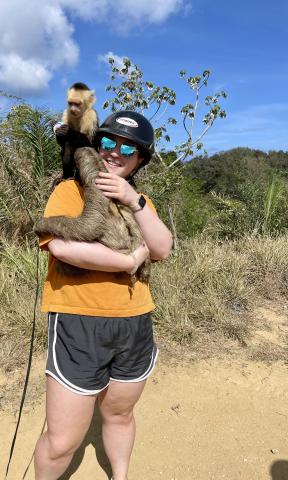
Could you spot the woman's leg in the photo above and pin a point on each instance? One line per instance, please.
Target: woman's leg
(118, 430)
(68, 418)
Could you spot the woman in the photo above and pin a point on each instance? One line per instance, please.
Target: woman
(100, 334)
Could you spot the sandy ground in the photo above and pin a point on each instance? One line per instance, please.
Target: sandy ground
(204, 420)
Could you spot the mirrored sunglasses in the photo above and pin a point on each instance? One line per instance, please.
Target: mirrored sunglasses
(109, 144)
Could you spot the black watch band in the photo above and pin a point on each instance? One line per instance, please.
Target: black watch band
(139, 205)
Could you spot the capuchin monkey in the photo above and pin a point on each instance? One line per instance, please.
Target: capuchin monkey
(102, 219)
(78, 125)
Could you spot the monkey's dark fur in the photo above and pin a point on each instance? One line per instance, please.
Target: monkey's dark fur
(102, 219)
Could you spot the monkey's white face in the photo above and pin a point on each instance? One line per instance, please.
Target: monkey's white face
(76, 108)
(117, 163)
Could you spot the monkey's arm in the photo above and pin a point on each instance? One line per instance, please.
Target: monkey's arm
(75, 139)
(95, 256)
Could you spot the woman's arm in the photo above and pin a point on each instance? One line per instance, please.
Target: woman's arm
(95, 256)
(158, 238)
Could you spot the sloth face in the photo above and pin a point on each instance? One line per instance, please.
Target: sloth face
(117, 163)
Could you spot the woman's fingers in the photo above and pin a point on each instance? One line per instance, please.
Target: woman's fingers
(107, 175)
(110, 194)
(108, 188)
(102, 181)
(141, 253)
(113, 181)
(113, 186)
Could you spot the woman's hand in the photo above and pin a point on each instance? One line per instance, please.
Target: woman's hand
(95, 256)
(139, 256)
(155, 233)
(113, 186)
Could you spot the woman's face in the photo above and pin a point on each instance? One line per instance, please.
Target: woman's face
(117, 163)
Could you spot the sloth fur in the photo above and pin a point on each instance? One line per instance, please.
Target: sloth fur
(102, 219)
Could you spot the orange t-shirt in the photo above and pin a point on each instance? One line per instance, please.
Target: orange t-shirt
(97, 293)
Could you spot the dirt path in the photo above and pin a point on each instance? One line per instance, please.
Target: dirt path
(208, 420)
(197, 420)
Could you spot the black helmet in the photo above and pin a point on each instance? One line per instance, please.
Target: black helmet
(132, 125)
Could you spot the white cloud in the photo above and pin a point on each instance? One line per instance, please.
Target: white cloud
(147, 11)
(23, 76)
(36, 37)
(141, 11)
(88, 9)
(118, 60)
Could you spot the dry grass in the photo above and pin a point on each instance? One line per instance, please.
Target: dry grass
(205, 294)
(208, 290)
(18, 280)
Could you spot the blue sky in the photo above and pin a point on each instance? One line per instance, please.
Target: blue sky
(46, 46)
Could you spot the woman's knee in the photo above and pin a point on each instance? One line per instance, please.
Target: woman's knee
(117, 415)
(60, 446)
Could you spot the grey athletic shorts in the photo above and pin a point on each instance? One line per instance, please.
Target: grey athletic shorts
(85, 353)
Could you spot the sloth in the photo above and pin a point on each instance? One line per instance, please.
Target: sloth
(103, 220)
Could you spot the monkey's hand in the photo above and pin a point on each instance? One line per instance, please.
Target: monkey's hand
(61, 134)
(62, 130)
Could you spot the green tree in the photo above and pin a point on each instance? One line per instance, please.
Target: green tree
(29, 155)
(249, 195)
(129, 90)
(28, 131)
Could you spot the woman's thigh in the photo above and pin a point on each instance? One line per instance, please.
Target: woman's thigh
(68, 414)
(120, 397)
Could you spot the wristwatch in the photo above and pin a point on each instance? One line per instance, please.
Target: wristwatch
(139, 205)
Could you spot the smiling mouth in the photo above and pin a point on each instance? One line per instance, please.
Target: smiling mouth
(113, 163)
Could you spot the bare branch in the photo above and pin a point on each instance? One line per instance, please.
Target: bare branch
(163, 113)
(184, 124)
(158, 108)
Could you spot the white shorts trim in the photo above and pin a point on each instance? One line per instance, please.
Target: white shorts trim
(65, 382)
(72, 389)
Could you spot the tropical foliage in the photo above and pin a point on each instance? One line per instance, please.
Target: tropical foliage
(227, 212)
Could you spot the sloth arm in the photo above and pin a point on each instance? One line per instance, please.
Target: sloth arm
(89, 255)
(95, 256)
